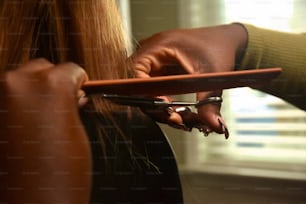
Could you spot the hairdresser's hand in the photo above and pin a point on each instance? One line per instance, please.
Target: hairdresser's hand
(202, 50)
(41, 121)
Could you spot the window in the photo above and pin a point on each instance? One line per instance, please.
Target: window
(268, 136)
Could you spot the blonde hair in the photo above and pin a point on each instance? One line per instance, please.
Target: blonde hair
(87, 32)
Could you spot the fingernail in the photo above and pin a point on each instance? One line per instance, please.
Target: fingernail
(81, 93)
(82, 101)
(224, 128)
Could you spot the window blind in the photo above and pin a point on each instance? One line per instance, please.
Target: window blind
(268, 137)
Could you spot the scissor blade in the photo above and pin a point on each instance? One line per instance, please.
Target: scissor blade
(138, 101)
(181, 103)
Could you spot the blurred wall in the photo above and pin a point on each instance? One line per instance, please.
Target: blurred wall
(149, 17)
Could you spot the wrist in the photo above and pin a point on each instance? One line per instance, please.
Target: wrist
(241, 40)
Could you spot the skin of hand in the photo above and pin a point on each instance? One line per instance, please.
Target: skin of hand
(192, 51)
(44, 148)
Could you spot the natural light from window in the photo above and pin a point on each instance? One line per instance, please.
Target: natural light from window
(268, 135)
(272, 14)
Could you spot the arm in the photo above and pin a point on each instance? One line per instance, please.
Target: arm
(267, 48)
(44, 150)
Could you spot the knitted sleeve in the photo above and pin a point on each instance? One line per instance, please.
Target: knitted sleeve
(267, 48)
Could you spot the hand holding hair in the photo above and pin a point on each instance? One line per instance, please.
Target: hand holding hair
(42, 121)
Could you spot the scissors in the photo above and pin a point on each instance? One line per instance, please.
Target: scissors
(156, 103)
(190, 119)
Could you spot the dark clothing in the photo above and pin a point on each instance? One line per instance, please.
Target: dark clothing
(141, 169)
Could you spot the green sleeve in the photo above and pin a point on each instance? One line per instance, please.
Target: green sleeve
(267, 48)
